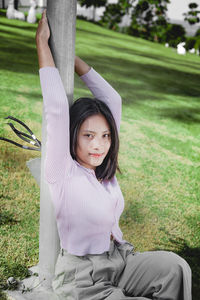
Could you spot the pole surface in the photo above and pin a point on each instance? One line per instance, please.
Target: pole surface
(62, 21)
(61, 15)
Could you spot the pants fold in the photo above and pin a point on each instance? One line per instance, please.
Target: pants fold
(121, 274)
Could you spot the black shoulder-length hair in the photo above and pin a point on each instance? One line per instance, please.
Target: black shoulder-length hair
(80, 110)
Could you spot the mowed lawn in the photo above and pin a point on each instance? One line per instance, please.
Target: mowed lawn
(159, 142)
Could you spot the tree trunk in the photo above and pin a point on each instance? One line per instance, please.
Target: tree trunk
(61, 15)
(16, 4)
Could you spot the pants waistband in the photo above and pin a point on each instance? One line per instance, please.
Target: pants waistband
(65, 252)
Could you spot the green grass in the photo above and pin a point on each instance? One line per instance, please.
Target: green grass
(159, 142)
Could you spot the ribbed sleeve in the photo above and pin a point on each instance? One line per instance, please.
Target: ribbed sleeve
(56, 109)
(102, 90)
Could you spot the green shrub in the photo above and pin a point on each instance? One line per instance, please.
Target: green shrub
(112, 16)
(162, 33)
(174, 34)
(197, 44)
(190, 42)
(197, 32)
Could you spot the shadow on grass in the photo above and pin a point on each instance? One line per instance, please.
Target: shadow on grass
(14, 158)
(12, 269)
(23, 26)
(147, 81)
(2, 295)
(111, 35)
(162, 58)
(183, 114)
(7, 218)
(153, 82)
(191, 255)
(156, 79)
(131, 212)
(33, 96)
(18, 55)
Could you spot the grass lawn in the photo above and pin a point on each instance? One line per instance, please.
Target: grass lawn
(159, 142)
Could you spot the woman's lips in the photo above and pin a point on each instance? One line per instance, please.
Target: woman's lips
(96, 155)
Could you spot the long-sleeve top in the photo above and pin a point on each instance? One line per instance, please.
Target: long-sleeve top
(87, 211)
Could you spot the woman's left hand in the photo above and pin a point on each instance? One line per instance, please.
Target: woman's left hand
(43, 31)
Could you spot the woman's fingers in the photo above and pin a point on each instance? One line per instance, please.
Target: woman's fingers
(43, 32)
(44, 14)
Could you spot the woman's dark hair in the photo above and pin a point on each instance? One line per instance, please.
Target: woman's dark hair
(80, 110)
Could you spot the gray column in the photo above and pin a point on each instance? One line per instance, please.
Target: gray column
(62, 21)
(61, 15)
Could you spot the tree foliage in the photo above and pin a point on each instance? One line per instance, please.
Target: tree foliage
(174, 34)
(94, 3)
(192, 16)
(114, 12)
(149, 19)
(190, 43)
(197, 33)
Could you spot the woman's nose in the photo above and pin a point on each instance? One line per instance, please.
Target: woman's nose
(97, 143)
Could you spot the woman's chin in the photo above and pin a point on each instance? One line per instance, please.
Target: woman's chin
(96, 163)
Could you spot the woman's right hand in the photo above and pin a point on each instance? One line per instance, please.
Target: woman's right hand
(43, 31)
(45, 57)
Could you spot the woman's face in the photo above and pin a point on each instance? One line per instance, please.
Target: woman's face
(93, 141)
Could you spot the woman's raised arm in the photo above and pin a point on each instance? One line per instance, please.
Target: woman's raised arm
(45, 57)
(100, 88)
(81, 67)
(58, 158)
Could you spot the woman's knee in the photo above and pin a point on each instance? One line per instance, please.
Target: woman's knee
(172, 262)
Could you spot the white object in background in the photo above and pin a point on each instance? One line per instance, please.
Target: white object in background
(32, 12)
(197, 52)
(42, 3)
(180, 48)
(12, 13)
(19, 15)
(192, 50)
(10, 10)
(167, 45)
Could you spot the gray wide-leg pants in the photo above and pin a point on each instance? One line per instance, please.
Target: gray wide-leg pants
(121, 274)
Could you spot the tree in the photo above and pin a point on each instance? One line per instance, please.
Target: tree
(94, 3)
(174, 34)
(192, 16)
(114, 12)
(190, 43)
(149, 19)
(16, 2)
(197, 33)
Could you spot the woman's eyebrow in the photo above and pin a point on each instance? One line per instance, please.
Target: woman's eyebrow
(86, 130)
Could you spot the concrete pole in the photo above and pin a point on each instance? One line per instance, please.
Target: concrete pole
(61, 15)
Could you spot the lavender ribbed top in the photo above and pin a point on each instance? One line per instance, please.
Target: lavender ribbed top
(87, 211)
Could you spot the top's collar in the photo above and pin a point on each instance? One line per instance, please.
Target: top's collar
(91, 171)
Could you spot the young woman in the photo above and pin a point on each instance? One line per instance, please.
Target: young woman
(95, 263)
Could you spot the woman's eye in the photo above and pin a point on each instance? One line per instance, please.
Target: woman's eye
(88, 135)
(106, 135)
